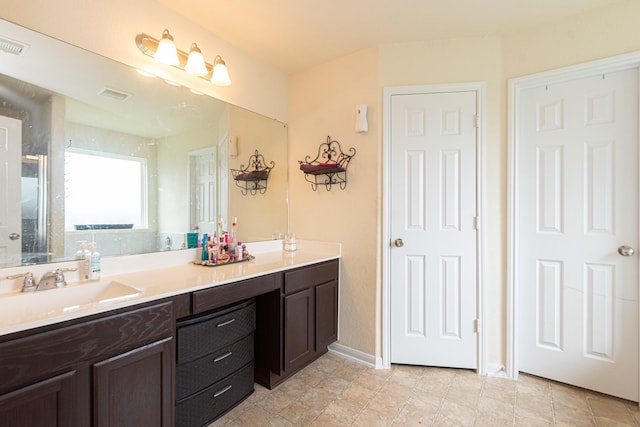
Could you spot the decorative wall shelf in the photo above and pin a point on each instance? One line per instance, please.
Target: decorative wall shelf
(252, 179)
(329, 167)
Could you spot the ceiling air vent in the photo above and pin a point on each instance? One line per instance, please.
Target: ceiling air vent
(12, 47)
(114, 94)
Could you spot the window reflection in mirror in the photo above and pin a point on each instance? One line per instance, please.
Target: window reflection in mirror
(56, 115)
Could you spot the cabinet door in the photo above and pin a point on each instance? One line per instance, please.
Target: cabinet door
(299, 328)
(46, 403)
(326, 315)
(135, 388)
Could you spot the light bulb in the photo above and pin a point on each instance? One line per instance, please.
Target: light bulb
(220, 75)
(195, 63)
(167, 52)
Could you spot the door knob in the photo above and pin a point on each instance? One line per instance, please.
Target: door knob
(625, 250)
(398, 243)
(14, 236)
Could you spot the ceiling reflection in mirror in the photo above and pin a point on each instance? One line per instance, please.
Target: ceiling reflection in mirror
(94, 151)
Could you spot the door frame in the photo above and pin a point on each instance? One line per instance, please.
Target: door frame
(515, 87)
(385, 243)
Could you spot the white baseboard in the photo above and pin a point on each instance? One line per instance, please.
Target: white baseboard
(355, 355)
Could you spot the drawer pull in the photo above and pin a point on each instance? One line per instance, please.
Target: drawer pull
(223, 391)
(225, 323)
(224, 356)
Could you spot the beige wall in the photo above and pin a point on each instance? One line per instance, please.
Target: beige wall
(322, 100)
(322, 103)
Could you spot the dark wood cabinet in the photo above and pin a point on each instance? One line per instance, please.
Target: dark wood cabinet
(326, 296)
(45, 403)
(135, 388)
(306, 313)
(108, 370)
(299, 331)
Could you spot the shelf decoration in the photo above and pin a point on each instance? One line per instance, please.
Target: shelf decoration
(252, 179)
(329, 167)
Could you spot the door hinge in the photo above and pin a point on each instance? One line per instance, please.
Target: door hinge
(476, 222)
(476, 120)
(476, 325)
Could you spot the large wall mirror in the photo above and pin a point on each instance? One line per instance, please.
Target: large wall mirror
(92, 150)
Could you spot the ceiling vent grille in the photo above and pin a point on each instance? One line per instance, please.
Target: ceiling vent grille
(12, 47)
(118, 95)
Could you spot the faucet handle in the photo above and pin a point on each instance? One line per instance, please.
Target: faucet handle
(29, 283)
(60, 280)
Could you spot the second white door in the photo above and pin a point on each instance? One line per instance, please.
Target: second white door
(577, 215)
(433, 229)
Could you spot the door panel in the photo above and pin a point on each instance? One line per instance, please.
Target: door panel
(10, 191)
(433, 199)
(577, 192)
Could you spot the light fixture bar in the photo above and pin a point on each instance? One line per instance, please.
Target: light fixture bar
(149, 45)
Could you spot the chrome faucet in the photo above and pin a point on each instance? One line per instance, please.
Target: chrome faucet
(29, 283)
(50, 280)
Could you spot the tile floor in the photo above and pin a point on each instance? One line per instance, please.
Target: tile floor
(334, 391)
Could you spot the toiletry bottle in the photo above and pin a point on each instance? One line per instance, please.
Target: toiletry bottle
(84, 256)
(95, 262)
(204, 256)
(239, 251)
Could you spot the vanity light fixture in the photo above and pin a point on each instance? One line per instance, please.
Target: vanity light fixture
(193, 62)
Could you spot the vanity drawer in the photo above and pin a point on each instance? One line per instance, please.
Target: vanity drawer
(206, 334)
(306, 277)
(220, 296)
(210, 403)
(202, 372)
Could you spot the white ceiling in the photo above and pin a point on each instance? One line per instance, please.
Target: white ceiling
(294, 35)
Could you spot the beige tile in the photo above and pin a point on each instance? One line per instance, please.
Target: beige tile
(411, 415)
(439, 375)
(487, 420)
(357, 393)
(317, 397)
(463, 396)
(385, 405)
(325, 420)
(499, 392)
(252, 416)
(495, 408)
(275, 402)
(532, 385)
(571, 415)
(453, 413)
(301, 413)
(607, 409)
(334, 385)
(435, 388)
(370, 417)
(532, 404)
(344, 410)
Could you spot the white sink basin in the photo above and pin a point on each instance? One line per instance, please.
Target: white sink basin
(27, 307)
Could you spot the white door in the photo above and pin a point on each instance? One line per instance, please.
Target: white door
(577, 192)
(203, 166)
(10, 195)
(433, 276)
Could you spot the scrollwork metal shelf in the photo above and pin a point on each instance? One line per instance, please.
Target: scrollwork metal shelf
(329, 167)
(252, 179)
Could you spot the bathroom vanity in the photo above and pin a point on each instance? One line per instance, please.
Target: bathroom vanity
(182, 353)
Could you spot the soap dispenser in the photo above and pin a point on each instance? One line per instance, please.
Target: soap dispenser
(95, 262)
(84, 257)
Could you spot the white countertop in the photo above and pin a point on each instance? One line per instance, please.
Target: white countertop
(156, 276)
